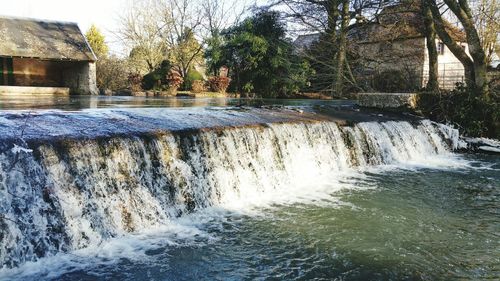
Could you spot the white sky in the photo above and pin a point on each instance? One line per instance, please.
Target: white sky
(102, 13)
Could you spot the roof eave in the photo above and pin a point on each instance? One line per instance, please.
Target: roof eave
(44, 58)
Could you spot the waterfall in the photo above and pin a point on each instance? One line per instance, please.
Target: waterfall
(65, 195)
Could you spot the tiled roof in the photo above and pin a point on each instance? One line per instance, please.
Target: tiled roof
(31, 38)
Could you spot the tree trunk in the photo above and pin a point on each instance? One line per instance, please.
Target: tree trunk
(333, 14)
(342, 49)
(462, 11)
(332, 10)
(430, 35)
(475, 48)
(456, 49)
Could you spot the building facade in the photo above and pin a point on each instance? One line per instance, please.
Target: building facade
(395, 42)
(38, 55)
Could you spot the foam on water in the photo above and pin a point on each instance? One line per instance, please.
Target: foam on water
(70, 204)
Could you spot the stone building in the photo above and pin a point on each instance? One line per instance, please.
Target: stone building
(45, 57)
(395, 42)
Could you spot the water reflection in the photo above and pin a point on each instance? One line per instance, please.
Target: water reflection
(84, 102)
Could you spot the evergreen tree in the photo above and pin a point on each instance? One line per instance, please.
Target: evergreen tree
(97, 42)
(260, 57)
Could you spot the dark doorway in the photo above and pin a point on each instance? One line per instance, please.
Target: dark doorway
(6, 72)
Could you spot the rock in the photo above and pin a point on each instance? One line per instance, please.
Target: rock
(483, 145)
(387, 100)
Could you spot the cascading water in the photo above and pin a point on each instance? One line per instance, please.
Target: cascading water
(70, 194)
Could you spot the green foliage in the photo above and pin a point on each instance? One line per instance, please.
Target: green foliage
(191, 76)
(97, 42)
(214, 52)
(259, 57)
(476, 116)
(111, 72)
(157, 78)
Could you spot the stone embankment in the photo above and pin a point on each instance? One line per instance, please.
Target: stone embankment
(388, 100)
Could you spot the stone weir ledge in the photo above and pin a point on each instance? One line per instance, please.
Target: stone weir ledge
(56, 125)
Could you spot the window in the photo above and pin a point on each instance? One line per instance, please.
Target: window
(440, 48)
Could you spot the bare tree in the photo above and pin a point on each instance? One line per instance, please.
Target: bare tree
(174, 30)
(475, 65)
(331, 19)
(487, 21)
(182, 19)
(220, 14)
(141, 28)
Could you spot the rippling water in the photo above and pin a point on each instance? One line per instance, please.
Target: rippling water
(385, 223)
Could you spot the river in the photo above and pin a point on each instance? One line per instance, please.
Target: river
(241, 194)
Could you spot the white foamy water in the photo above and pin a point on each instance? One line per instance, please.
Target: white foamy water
(75, 202)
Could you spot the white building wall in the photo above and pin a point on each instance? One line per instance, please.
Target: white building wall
(450, 69)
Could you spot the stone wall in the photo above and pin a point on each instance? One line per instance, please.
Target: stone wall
(80, 77)
(406, 56)
(33, 90)
(387, 100)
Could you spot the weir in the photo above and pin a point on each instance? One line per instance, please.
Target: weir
(70, 180)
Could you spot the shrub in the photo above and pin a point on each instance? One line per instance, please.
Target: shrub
(152, 81)
(198, 86)
(476, 116)
(219, 84)
(135, 81)
(174, 79)
(191, 76)
(157, 78)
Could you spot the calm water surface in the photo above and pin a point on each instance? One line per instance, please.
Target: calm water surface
(86, 102)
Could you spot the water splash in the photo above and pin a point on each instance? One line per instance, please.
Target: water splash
(73, 195)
